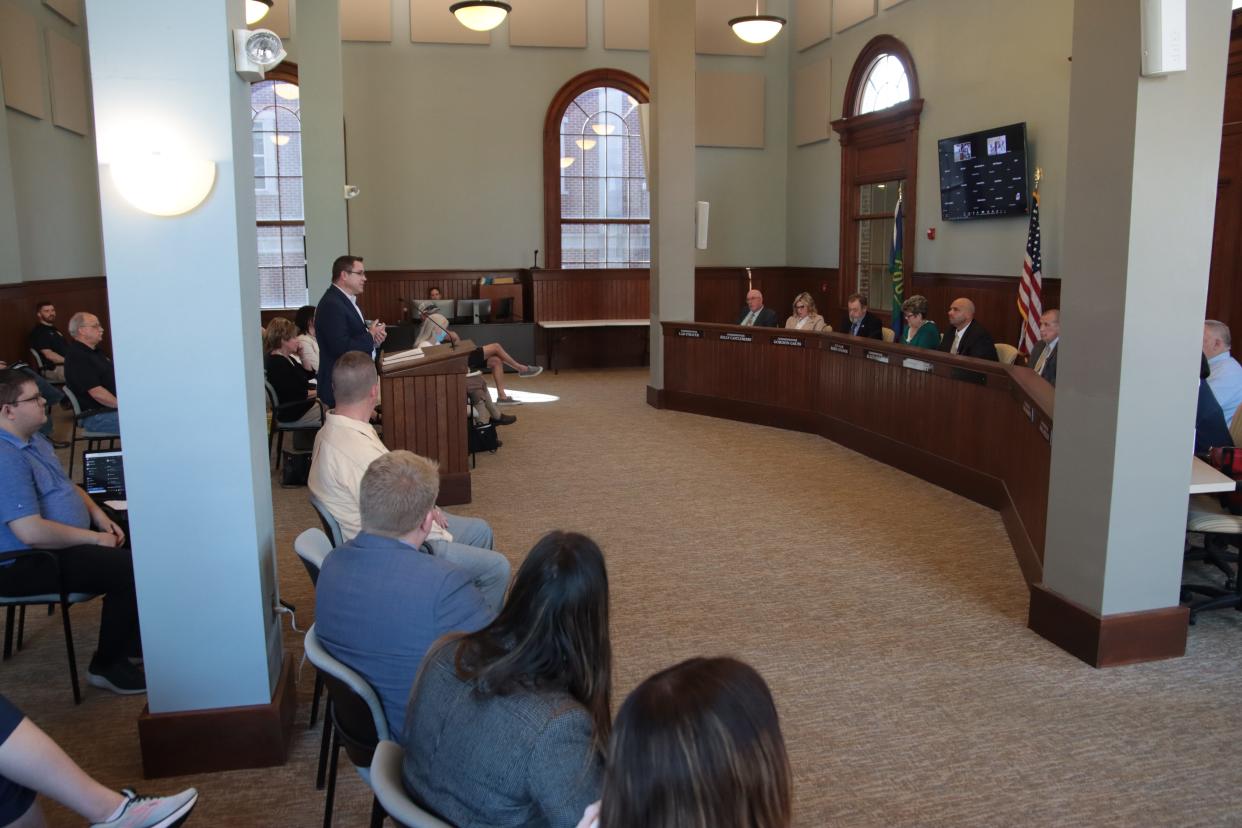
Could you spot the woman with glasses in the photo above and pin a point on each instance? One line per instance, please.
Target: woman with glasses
(921, 332)
(805, 316)
(506, 726)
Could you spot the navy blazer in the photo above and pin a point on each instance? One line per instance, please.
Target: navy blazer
(765, 319)
(339, 329)
(976, 342)
(871, 326)
(1050, 367)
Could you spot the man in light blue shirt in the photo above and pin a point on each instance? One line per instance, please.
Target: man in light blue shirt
(1226, 377)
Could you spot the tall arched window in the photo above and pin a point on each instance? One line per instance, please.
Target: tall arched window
(597, 210)
(879, 131)
(276, 136)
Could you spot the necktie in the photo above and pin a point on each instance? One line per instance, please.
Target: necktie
(750, 319)
(957, 338)
(1043, 359)
(857, 325)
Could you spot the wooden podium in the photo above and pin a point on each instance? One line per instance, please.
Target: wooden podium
(424, 405)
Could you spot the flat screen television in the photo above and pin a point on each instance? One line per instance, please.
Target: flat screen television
(983, 174)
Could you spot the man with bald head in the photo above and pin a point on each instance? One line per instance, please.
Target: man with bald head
(756, 314)
(965, 336)
(89, 375)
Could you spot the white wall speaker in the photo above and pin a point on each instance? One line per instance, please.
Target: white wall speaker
(1163, 25)
(701, 209)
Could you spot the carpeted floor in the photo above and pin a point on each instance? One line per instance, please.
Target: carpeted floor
(887, 615)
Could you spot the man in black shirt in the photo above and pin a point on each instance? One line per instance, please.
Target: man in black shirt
(89, 375)
(49, 342)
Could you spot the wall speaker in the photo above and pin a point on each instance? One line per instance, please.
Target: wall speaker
(1163, 25)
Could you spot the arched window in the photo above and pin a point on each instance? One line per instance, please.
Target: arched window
(886, 84)
(276, 136)
(597, 210)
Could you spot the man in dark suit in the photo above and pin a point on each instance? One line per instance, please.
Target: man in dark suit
(339, 324)
(1044, 356)
(756, 314)
(965, 336)
(859, 321)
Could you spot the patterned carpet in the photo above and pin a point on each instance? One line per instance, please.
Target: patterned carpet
(887, 615)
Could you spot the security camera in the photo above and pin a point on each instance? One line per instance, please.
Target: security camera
(351, 191)
(256, 51)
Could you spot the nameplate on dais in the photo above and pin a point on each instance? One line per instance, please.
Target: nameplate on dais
(791, 341)
(690, 332)
(877, 356)
(734, 336)
(1046, 430)
(1028, 410)
(838, 348)
(916, 364)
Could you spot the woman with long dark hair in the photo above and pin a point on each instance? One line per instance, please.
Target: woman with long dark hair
(698, 745)
(507, 726)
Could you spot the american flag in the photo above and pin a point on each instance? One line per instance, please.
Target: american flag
(1030, 304)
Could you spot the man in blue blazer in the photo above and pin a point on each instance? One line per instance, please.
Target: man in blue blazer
(339, 324)
(756, 314)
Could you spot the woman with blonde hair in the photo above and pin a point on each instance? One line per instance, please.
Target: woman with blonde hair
(805, 317)
(295, 399)
(698, 745)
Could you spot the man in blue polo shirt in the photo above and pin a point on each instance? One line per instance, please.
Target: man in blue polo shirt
(41, 508)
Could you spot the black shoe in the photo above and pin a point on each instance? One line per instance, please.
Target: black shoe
(504, 419)
(120, 677)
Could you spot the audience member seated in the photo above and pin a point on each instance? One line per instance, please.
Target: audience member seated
(921, 332)
(506, 726)
(755, 314)
(288, 377)
(967, 337)
(859, 321)
(41, 508)
(31, 763)
(434, 293)
(479, 395)
(1226, 377)
(50, 393)
(49, 342)
(697, 744)
(1211, 430)
(491, 356)
(380, 601)
(805, 317)
(89, 375)
(346, 446)
(308, 352)
(1043, 359)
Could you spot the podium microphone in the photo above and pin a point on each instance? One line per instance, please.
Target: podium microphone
(427, 312)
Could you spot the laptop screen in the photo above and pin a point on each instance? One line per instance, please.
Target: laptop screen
(104, 473)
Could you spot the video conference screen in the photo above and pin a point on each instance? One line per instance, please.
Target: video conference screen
(983, 174)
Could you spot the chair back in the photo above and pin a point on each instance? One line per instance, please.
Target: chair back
(1006, 353)
(271, 394)
(390, 790)
(888, 334)
(1235, 427)
(356, 710)
(312, 546)
(38, 360)
(330, 527)
(73, 401)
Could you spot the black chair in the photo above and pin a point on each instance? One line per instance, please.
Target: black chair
(276, 429)
(1218, 525)
(42, 367)
(15, 595)
(93, 439)
(358, 721)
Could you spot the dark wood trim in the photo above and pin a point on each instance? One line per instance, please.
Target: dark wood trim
(1111, 640)
(454, 489)
(227, 738)
(17, 316)
(286, 71)
(575, 86)
(655, 397)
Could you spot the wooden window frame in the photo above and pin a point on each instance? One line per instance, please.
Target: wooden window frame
(878, 146)
(565, 96)
(288, 73)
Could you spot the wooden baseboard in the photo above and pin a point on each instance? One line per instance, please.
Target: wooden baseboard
(454, 489)
(227, 738)
(1111, 640)
(655, 397)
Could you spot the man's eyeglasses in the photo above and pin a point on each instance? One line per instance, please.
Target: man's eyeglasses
(38, 397)
(356, 272)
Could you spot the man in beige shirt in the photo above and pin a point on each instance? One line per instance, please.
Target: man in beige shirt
(346, 446)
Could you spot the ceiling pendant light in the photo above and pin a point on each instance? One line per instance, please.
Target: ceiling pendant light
(585, 144)
(256, 10)
(757, 28)
(480, 15)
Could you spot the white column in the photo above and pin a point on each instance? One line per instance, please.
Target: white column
(317, 27)
(183, 297)
(671, 176)
(1140, 196)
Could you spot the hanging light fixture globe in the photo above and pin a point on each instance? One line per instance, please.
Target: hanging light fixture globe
(757, 28)
(480, 15)
(256, 10)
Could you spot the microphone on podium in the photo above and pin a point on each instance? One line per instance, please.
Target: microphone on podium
(427, 314)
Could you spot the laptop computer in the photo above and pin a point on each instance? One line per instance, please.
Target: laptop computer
(104, 474)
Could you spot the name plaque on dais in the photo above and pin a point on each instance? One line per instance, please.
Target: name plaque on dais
(791, 341)
(734, 336)
(877, 356)
(690, 332)
(916, 364)
(1028, 410)
(1045, 430)
(838, 348)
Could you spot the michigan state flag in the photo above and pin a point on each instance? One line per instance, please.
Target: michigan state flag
(895, 271)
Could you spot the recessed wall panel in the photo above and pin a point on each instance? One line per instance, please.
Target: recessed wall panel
(431, 22)
(812, 102)
(21, 61)
(68, 71)
(555, 23)
(847, 13)
(712, 35)
(71, 10)
(366, 20)
(728, 109)
(626, 24)
(812, 22)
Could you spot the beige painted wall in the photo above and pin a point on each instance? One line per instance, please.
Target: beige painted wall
(976, 70)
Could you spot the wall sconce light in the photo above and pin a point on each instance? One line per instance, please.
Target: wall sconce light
(162, 184)
(480, 15)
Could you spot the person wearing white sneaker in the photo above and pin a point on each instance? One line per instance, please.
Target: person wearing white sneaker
(493, 356)
(31, 763)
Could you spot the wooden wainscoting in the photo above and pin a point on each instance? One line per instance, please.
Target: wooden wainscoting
(605, 293)
(720, 292)
(88, 293)
(995, 298)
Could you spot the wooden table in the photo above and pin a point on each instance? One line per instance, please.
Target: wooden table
(567, 324)
(1205, 479)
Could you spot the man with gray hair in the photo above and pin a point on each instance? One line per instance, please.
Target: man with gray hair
(1226, 377)
(379, 601)
(89, 375)
(346, 446)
